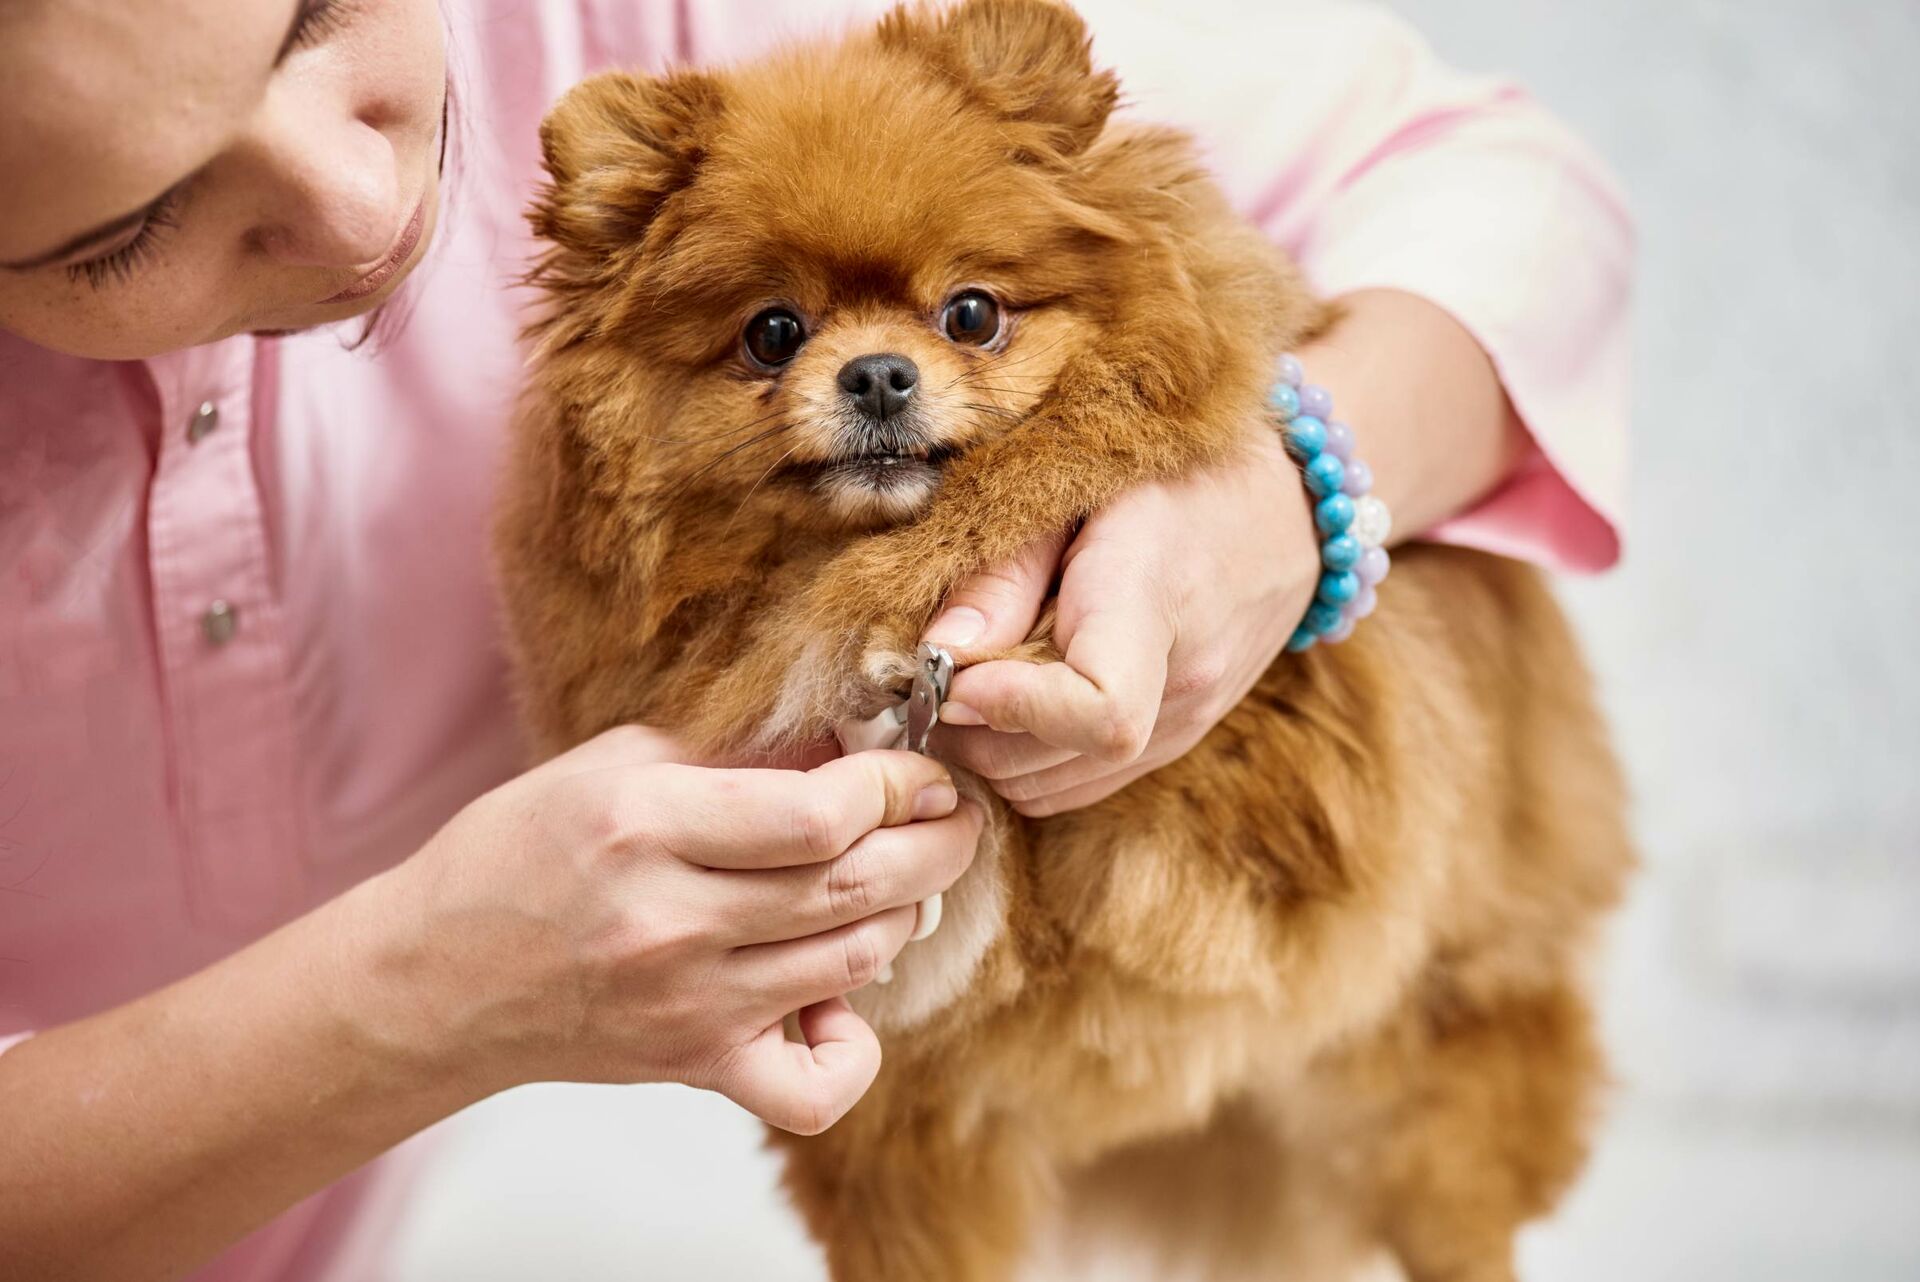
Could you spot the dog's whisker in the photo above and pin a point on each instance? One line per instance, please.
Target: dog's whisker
(1001, 366)
(771, 469)
(717, 436)
(993, 411)
(986, 387)
(998, 365)
(728, 453)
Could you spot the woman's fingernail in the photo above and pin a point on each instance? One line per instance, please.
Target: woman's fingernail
(935, 800)
(959, 714)
(960, 626)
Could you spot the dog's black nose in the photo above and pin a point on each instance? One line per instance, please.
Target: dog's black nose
(880, 383)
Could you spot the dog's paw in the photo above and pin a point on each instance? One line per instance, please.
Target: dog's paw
(1039, 647)
(886, 666)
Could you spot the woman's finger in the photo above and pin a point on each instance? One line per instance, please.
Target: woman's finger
(793, 973)
(887, 868)
(1087, 792)
(1060, 778)
(805, 1086)
(1101, 702)
(623, 747)
(1116, 629)
(994, 754)
(782, 818)
(997, 609)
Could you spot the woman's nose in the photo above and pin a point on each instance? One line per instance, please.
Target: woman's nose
(330, 192)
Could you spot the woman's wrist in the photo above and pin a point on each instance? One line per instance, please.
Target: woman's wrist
(1438, 429)
(386, 997)
(1352, 523)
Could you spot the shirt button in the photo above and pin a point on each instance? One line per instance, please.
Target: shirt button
(204, 420)
(219, 623)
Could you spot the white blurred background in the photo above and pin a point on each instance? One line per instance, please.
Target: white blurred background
(1756, 653)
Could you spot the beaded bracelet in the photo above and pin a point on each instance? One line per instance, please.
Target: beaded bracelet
(1353, 524)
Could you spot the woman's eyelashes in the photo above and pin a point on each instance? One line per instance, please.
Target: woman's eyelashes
(120, 264)
(318, 19)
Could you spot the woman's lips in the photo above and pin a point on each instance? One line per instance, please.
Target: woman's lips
(396, 258)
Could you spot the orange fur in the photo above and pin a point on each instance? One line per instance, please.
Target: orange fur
(1351, 921)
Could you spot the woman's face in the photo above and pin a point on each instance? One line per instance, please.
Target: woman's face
(178, 171)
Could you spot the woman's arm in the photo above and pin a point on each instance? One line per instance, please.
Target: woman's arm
(142, 1140)
(611, 916)
(1431, 416)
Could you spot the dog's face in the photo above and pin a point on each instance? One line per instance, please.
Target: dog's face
(808, 287)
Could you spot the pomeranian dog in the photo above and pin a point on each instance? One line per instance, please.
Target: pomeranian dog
(824, 334)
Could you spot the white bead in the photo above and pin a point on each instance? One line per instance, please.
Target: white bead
(1372, 522)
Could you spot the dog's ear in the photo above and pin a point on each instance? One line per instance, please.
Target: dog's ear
(1027, 61)
(616, 146)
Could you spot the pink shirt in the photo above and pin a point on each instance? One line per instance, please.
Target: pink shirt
(177, 777)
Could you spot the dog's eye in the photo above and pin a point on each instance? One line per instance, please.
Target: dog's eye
(774, 337)
(972, 317)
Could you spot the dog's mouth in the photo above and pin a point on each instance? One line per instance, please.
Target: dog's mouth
(881, 470)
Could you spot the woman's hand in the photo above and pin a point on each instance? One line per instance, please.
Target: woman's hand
(616, 916)
(1172, 602)
(611, 916)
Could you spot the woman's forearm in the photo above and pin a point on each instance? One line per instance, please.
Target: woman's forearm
(1425, 402)
(139, 1142)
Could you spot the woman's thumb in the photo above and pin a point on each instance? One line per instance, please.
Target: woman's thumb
(997, 608)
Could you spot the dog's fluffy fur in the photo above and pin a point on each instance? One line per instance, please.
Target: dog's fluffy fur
(1325, 967)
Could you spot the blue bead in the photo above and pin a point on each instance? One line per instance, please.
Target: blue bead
(1333, 514)
(1306, 437)
(1325, 475)
(1322, 617)
(1341, 552)
(1339, 587)
(1302, 639)
(1285, 401)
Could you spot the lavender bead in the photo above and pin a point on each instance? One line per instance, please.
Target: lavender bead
(1316, 400)
(1373, 567)
(1340, 631)
(1290, 373)
(1362, 605)
(1339, 441)
(1358, 478)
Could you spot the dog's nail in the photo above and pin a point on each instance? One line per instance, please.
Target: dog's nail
(959, 714)
(960, 626)
(935, 800)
